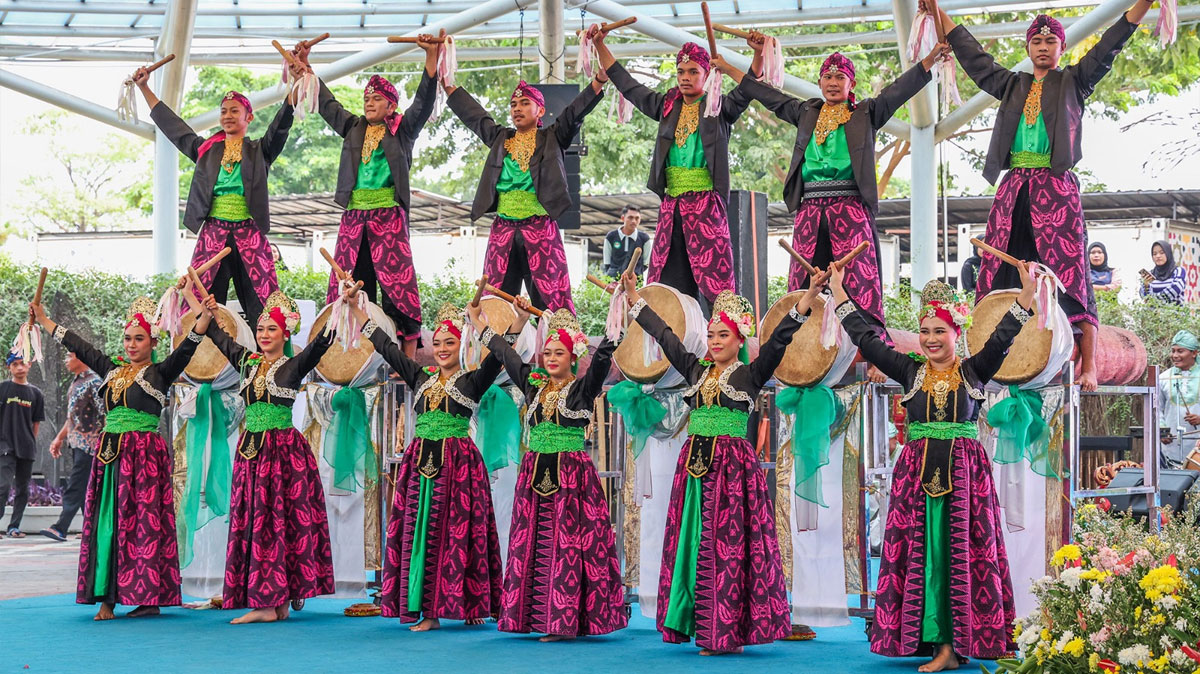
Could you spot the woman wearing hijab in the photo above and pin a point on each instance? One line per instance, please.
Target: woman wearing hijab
(1167, 281)
(1103, 276)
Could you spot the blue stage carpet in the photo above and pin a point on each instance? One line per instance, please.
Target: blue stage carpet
(53, 634)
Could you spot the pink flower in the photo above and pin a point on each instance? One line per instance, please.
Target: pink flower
(1098, 638)
(1107, 559)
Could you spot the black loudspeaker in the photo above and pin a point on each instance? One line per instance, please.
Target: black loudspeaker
(748, 234)
(559, 96)
(1175, 487)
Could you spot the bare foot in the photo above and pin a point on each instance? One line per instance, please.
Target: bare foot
(1087, 380)
(943, 661)
(550, 638)
(258, 615)
(281, 612)
(142, 611)
(474, 621)
(876, 375)
(105, 612)
(426, 625)
(709, 651)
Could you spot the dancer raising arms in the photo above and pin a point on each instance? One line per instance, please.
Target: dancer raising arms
(278, 529)
(227, 204)
(373, 244)
(689, 172)
(129, 553)
(1037, 214)
(944, 585)
(563, 578)
(443, 553)
(525, 182)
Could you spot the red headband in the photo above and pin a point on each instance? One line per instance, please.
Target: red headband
(242, 100)
(563, 336)
(449, 326)
(724, 318)
(141, 322)
(939, 311)
(276, 314)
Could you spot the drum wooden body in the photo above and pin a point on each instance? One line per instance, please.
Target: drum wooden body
(500, 316)
(683, 315)
(806, 362)
(341, 366)
(208, 362)
(1036, 355)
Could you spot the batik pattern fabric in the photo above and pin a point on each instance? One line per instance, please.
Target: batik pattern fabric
(705, 229)
(547, 260)
(279, 547)
(254, 251)
(463, 571)
(847, 223)
(144, 555)
(1059, 234)
(386, 231)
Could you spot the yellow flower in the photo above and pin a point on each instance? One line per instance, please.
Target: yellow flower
(1046, 636)
(1074, 647)
(1093, 662)
(1067, 553)
(1160, 581)
(1017, 629)
(1158, 619)
(1137, 613)
(1158, 664)
(1095, 574)
(1088, 508)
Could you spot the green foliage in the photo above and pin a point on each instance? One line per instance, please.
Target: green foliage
(303, 284)
(900, 307)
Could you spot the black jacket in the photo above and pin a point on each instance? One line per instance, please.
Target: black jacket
(714, 131)
(1064, 93)
(868, 116)
(397, 147)
(257, 156)
(546, 167)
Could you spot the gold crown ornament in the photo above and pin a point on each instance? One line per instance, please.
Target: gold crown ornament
(737, 308)
(142, 305)
(451, 314)
(563, 319)
(948, 299)
(286, 306)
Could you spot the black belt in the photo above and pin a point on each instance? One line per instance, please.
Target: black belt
(831, 188)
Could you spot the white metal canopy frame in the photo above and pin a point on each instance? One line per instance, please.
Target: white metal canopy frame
(229, 32)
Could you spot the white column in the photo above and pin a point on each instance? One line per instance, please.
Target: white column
(166, 203)
(552, 60)
(923, 207)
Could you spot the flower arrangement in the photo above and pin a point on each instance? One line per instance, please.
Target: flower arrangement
(430, 370)
(1122, 601)
(538, 377)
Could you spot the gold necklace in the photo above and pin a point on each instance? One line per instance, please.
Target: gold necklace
(521, 147)
(937, 385)
(831, 117)
(371, 140)
(689, 121)
(232, 154)
(122, 379)
(711, 388)
(435, 394)
(260, 381)
(1033, 103)
(550, 393)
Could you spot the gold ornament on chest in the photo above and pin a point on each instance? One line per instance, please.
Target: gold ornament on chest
(260, 378)
(122, 379)
(232, 154)
(710, 390)
(435, 394)
(938, 385)
(689, 121)
(521, 147)
(371, 139)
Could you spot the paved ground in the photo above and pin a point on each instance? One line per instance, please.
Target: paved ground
(35, 565)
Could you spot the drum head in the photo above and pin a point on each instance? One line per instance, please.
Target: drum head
(338, 366)
(208, 361)
(500, 316)
(806, 362)
(629, 355)
(1030, 351)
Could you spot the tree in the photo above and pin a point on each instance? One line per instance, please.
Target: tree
(90, 190)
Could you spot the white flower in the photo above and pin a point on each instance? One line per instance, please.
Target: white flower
(1070, 577)
(1181, 625)
(1167, 602)
(1178, 657)
(1029, 637)
(1062, 641)
(1134, 655)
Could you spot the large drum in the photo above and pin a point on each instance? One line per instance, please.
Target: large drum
(349, 366)
(806, 362)
(638, 356)
(208, 362)
(1037, 354)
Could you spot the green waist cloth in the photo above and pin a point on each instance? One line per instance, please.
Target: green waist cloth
(681, 603)
(942, 430)
(1022, 432)
(638, 409)
(829, 160)
(439, 425)
(262, 416)
(230, 208)
(681, 180)
(1031, 145)
(126, 420)
(370, 199)
(716, 421)
(1029, 160)
(347, 442)
(815, 410)
(518, 205)
(551, 438)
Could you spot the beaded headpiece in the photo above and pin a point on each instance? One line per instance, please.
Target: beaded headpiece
(1046, 25)
(693, 53)
(939, 300)
(562, 326)
(242, 100)
(449, 317)
(281, 309)
(140, 312)
(734, 311)
(380, 85)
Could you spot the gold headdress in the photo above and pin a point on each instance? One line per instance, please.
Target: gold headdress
(448, 316)
(562, 326)
(939, 300)
(734, 308)
(283, 310)
(142, 313)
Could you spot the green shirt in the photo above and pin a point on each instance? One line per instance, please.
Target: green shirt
(1031, 145)
(229, 182)
(517, 195)
(373, 188)
(829, 160)
(229, 196)
(687, 169)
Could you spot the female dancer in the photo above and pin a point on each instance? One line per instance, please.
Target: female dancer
(563, 578)
(722, 576)
(129, 553)
(944, 585)
(278, 529)
(443, 554)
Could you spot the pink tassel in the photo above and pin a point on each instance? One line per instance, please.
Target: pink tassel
(583, 60)
(342, 319)
(169, 317)
(1045, 297)
(621, 110)
(305, 90)
(712, 93)
(618, 316)
(651, 351)
(1168, 22)
(773, 63)
(447, 66)
(472, 354)
(948, 72)
(922, 38)
(830, 326)
(28, 343)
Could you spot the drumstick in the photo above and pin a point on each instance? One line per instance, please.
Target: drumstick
(310, 43)
(937, 19)
(212, 261)
(798, 257)
(637, 255)
(858, 250)
(998, 253)
(396, 39)
(160, 63)
(479, 285)
(505, 296)
(37, 294)
(341, 274)
(738, 32)
(287, 56)
(200, 289)
(189, 294)
(708, 29)
(609, 27)
(598, 283)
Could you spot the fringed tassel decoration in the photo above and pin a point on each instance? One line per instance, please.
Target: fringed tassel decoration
(922, 38)
(712, 93)
(342, 319)
(621, 110)
(305, 91)
(1168, 22)
(169, 316)
(583, 60)
(773, 63)
(830, 327)
(447, 66)
(127, 103)
(472, 347)
(28, 343)
(618, 317)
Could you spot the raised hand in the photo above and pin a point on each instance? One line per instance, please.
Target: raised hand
(300, 54)
(475, 314)
(425, 41)
(1028, 286)
(835, 283)
(141, 77)
(595, 34)
(940, 52)
(815, 284)
(629, 283)
(521, 304)
(757, 41)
